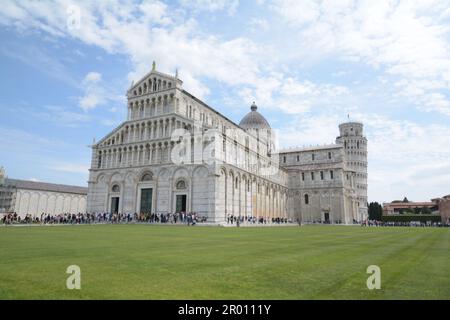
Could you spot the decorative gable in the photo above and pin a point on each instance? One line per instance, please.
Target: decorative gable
(154, 81)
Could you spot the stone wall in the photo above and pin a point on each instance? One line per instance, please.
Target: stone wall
(35, 202)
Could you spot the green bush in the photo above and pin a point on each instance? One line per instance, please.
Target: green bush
(412, 217)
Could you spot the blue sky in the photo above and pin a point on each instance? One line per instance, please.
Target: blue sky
(66, 65)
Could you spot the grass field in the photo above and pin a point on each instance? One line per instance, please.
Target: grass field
(176, 262)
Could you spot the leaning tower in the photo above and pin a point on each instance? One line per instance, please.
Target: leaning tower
(355, 146)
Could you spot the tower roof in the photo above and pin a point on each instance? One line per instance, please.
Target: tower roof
(254, 120)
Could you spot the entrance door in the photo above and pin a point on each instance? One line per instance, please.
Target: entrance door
(327, 217)
(180, 203)
(146, 200)
(114, 204)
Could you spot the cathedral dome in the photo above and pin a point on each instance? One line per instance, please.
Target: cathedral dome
(254, 120)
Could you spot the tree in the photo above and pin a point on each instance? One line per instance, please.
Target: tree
(375, 211)
(426, 210)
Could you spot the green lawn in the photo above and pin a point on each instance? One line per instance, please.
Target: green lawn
(176, 262)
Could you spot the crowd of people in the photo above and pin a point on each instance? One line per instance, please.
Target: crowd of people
(376, 223)
(189, 218)
(247, 219)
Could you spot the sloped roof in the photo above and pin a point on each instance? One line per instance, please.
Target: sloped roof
(312, 148)
(254, 120)
(44, 186)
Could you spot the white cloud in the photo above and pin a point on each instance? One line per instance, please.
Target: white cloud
(229, 6)
(136, 31)
(406, 39)
(109, 122)
(405, 158)
(61, 116)
(70, 168)
(92, 77)
(293, 96)
(298, 12)
(17, 141)
(94, 93)
(259, 24)
(39, 59)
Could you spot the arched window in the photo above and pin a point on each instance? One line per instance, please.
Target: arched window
(306, 199)
(115, 188)
(147, 177)
(100, 160)
(181, 184)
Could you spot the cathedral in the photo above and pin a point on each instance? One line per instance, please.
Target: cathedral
(175, 153)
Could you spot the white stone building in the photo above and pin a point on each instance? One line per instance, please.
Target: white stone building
(34, 198)
(175, 153)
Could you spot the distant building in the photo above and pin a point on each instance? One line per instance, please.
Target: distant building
(444, 208)
(439, 206)
(7, 193)
(30, 197)
(400, 207)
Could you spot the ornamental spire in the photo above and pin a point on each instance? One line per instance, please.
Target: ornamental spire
(154, 66)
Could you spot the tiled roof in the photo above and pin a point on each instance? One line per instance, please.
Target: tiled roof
(43, 186)
(312, 148)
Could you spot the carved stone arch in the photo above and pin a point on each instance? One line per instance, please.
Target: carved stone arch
(200, 171)
(130, 177)
(181, 171)
(101, 178)
(163, 174)
(145, 175)
(115, 176)
(181, 183)
(115, 187)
